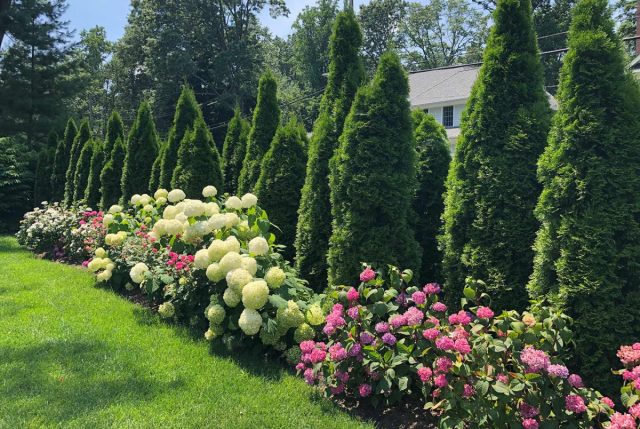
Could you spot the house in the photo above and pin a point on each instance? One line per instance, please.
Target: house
(443, 93)
(634, 66)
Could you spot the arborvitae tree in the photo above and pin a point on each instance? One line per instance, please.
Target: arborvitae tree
(346, 72)
(115, 131)
(110, 188)
(61, 161)
(234, 150)
(198, 162)
(83, 136)
(266, 118)
(92, 192)
(489, 226)
(588, 247)
(83, 169)
(280, 182)
(432, 147)
(42, 183)
(142, 150)
(373, 179)
(187, 111)
(154, 180)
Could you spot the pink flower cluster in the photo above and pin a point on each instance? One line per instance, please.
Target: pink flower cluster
(367, 275)
(484, 313)
(536, 360)
(432, 288)
(630, 355)
(575, 404)
(461, 317)
(180, 262)
(334, 320)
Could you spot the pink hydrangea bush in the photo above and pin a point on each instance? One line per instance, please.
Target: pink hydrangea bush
(388, 341)
(630, 393)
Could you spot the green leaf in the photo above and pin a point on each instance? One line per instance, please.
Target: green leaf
(469, 293)
(277, 301)
(403, 383)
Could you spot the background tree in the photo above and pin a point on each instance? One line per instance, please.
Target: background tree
(83, 170)
(92, 192)
(234, 150)
(199, 162)
(280, 182)
(373, 176)
(15, 186)
(380, 21)
(186, 113)
(42, 183)
(83, 136)
(142, 149)
(346, 72)
(266, 118)
(156, 168)
(492, 187)
(115, 131)
(433, 160)
(110, 187)
(588, 247)
(61, 161)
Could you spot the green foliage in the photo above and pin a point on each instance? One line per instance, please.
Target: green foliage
(280, 182)
(42, 179)
(234, 150)
(110, 188)
(373, 177)
(489, 226)
(380, 21)
(141, 152)
(15, 186)
(115, 131)
(433, 160)
(83, 136)
(198, 162)
(346, 72)
(83, 170)
(587, 251)
(92, 192)
(187, 111)
(156, 169)
(266, 118)
(61, 161)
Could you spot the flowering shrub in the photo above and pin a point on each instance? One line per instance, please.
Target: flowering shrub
(388, 340)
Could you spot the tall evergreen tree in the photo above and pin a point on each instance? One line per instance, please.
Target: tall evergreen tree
(346, 72)
(234, 149)
(61, 161)
(373, 177)
(142, 149)
(14, 186)
(266, 118)
(154, 180)
(187, 111)
(433, 160)
(587, 259)
(199, 162)
(42, 183)
(83, 136)
(92, 191)
(115, 131)
(110, 188)
(83, 169)
(280, 182)
(492, 187)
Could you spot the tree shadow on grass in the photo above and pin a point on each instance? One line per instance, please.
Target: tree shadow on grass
(59, 381)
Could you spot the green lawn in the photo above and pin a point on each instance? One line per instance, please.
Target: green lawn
(72, 355)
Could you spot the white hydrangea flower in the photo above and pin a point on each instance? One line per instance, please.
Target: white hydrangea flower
(170, 212)
(275, 277)
(233, 203)
(230, 261)
(209, 191)
(211, 208)
(100, 252)
(231, 298)
(107, 219)
(115, 209)
(166, 310)
(258, 246)
(161, 201)
(215, 313)
(213, 332)
(104, 276)
(174, 227)
(135, 199)
(160, 227)
(144, 199)
(214, 273)
(232, 244)
(148, 208)
(176, 195)
(231, 219)
(249, 264)
(217, 249)
(137, 273)
(160, 193)
(194, 208)
(250, 321)
(181, 217)
(237, 279)
(110, 266)
(255, 294)
(217, 221)
(249, 200)
(201, 259)
(95, 264)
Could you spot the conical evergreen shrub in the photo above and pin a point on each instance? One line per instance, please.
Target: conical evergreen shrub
(198, 162)
(110, 187)
(92, 192)
(83, 136)
(492, 187)
(266, 118)
(280, 182)
(373, 179)
(142, 149)
(187, 111)
(42, 179)
(61, 161)
(154, 180)
(432, 146)
(588, 248)
(234, 150)
(115, 131)
(83, 170)
(346, 72)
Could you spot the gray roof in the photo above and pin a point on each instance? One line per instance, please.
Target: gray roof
(442, 85)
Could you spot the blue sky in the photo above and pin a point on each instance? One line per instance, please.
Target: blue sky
(112, 15)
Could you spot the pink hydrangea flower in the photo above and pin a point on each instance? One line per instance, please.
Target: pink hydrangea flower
(343, 376)
(438, 306)
(503, 378)
(318, 355)
(622, 421)
(337, 352)
(575, 404)
(630, 355)
(461, 317)
(308, 376)
(528, 411)
(484, 313)
(607, 401)
(355, 350)
(462, 346)
(329, 330)
(425, 374)
(338, 309)
(634, 410)
(367, 275)
(459, 332)
(431, 288)
(365, 390)
(440, 380)
(530, 424)
(560, 371)
(389, 339)
(443, 364)
(536, 360)
(468, 391)
(336, 390)
(431, 333)
(419, 297)
(382, 327)
(637, 384)
(575, 381)
(413, 316)
(366, 338)
(398, 320)
(353, 294)
(445, 343)
(307, 346)
(353, 312)
(300, 366)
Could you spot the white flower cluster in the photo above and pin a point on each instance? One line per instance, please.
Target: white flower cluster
(138, 272)
(103, 264)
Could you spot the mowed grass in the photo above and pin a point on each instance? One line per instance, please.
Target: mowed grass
(73, 355)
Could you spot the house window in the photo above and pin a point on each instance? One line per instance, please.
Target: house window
(447, 116)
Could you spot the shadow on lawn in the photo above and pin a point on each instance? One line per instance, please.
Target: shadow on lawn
(59, 381)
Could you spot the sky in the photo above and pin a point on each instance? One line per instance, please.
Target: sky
(112, 15)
